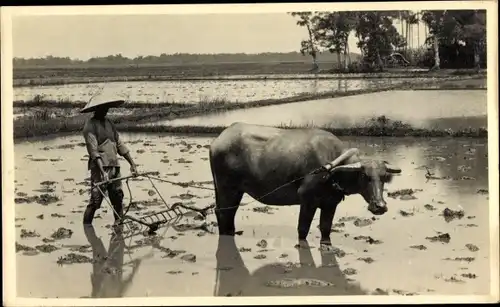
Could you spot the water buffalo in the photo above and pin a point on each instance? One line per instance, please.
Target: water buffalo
(257, 159)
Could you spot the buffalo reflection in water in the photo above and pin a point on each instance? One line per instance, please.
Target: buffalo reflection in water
(281, 278)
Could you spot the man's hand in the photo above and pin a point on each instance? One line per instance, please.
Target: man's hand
(133, 169)
(105, 176)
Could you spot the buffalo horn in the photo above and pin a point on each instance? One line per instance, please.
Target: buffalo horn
(392, 169)
(346, 155)
(348, 167)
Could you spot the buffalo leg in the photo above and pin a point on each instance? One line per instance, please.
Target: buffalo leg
(306, 216)
(227, 199)
(308, 204)
(325, 222)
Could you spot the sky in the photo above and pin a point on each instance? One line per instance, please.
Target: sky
(86, 36)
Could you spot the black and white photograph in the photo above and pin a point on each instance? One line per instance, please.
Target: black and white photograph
(250, 153)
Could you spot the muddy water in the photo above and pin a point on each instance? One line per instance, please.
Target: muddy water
(190, 91)
(245, 265)
(430, 109)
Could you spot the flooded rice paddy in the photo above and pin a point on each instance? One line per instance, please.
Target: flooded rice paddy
(411, 250)
(194, 91)
(428, 109)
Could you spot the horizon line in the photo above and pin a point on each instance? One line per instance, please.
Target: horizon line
(174, 54)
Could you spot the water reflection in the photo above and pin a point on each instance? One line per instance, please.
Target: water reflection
(452, 111)
(280, 278)
(192, 91)
(107, 277)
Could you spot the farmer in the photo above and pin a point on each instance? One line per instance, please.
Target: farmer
(103, 146)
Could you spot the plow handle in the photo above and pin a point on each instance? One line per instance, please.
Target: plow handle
(122, 178)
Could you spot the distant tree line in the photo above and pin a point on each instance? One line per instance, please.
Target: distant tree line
(170, 59)
(453, 38)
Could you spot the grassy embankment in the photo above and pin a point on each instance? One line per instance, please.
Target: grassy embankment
(41, 123)
(194, 72)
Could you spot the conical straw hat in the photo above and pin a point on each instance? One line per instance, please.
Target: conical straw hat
(102, 100)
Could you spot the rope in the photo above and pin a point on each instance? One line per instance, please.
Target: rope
(179, 183)
(205, 211)
(202, 211)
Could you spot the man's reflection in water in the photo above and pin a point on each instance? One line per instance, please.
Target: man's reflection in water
(280, 278)
(107, 277)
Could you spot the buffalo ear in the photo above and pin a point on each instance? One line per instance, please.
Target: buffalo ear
(387, 178)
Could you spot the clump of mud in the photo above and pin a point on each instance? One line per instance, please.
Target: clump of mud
(379, 291)
(419, 247)
(185, 196)
(362, 222)
(467, 259)
(189, 257)
(454, 280)
(464, 168)
(24, 248)
(429, 207)
(260, 256)
(66, 146)
(174, 272)
(62, 233)
(332, 250)
(244, 249)
(444, 238)
(262, 243)
(366, 259)
(368, 239)
(338, 225)
(450, 214)
(404, 194)
(46, 199)
(482, 191)
(402, 292)
(43, 199)
(405, 214)
(469, 275)
(79, 248)
(347, 218)
(472, 247)
(350, 271)
(169, 253)
(182, 160)
(46, 248)
(73, 258)
(29, 234)
(295, 283)
(263, 209)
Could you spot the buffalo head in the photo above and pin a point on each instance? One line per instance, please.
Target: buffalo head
(365, 177)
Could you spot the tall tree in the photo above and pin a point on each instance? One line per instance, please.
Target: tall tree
(308, 46)
(470, 28)
(377, 35)
(332, 30)
(435, 21)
